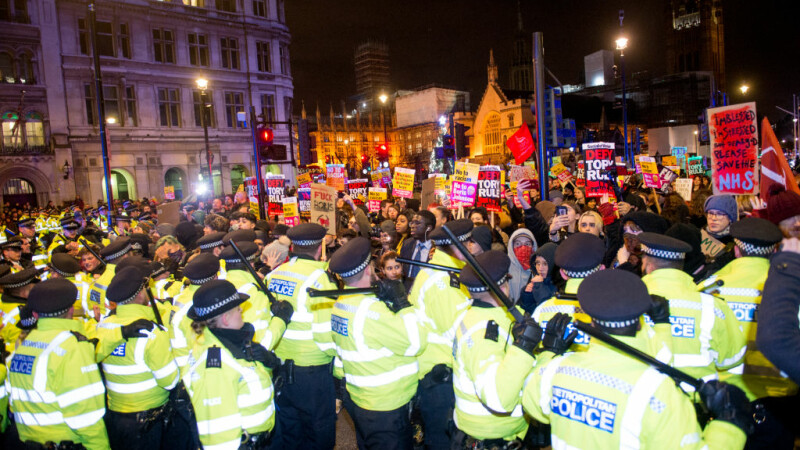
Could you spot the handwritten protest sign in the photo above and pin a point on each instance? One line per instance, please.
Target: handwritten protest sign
(403, 184)
(376, 194)
(733, 134)
(304, 180)
(304, 202)
(336, 176)
(489, 188)
(276, 189)
(709, 245)
(696, 165)
(598, 157)
(518, 173)
(291, 214)
(323, 206)
(358, 190)
(650, 172)
(683, 186)
(169, 192)
(669, 161)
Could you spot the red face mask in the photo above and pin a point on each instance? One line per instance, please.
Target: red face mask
(523, 254)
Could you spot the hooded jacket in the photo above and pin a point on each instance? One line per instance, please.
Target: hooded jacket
(519, 276)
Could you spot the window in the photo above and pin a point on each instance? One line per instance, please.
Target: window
(491, 135)
(197, 100)
(111, 103)
(91, 113)
(34, 130)
(169, 107)
(107, 45)
(105, 39)
(268, 107)
(131, 119)
(284, 60)
(198, 49)
(6, 68)
(230, 53)
(226, 5)
(234, 102)
(510, 121)
(263, 54)
(287, 107)
(83, 36)
(281, 12)
(196, 3)
(124, 38)
(163, 46)
(260, 8)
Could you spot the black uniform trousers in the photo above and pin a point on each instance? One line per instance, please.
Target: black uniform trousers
(380, 430)
(306, 414)
(436, 402)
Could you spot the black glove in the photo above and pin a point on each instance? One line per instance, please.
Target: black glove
(257, 352)
(134, 329)
(728, 403)
(554, 339)
(659, 311)
(282, 310)
(394, 294)
(527, 334)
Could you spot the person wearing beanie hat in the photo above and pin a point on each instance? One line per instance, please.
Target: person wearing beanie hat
(783, 209)
(541, 286)
(233, 375)
(721, 211)
(629, 255)
(380, 387)
(580, 394)
(706, 337)
(481, 240)
(307, 407)
(59, 362)
(140, 372)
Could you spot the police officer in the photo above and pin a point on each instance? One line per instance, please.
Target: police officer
(440, 302)
(16, 288)
(12, 255)
(122, 225)
(211, 243)
(112, 254)
(68, 241)
(307, 404)
(378, 343)
(740, 284)
(38, 255)
(63, 265)
(706, 337)
(602, 398)
(229, 380)
(55, 367)
(486, 349)
(140, 372)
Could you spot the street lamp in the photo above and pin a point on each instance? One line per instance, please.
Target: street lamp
(383, 98)
(202, 84)
(744, 88)
(695, 142)
(622, 44)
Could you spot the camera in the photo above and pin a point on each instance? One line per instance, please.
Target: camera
(375, 232)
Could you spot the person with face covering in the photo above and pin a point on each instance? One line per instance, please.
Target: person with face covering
(541, 286)
(521, 246)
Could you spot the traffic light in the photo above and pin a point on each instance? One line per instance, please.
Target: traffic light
(264, 138)
(382, 150)
(303, 141)
(461, 142)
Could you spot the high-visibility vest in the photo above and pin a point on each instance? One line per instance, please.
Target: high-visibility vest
(549, 308)
(256, 310)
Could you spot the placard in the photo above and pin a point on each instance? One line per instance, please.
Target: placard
(598, 157)
(251, 187)
(462, 194)
(304, 180)
(667, 175)
(518, 173)
(466, 172)
(489, 188)
(357, 190)
(678, 151)
(733, 133)
(669, 160)
(650, 172)
(304, 202)
(291, 213)
(403, 184)
(428, 195)
(696, 165)
(710, 245)
(375, 177)
(561, 172)
(636, 163)
(376, 195)
(336, 176)
(276, 190)
(683, 186)
(580, 176)
(323, 206)
(169, 192)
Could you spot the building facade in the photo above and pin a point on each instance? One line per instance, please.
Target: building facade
(696, 39)
(371, 62)
(152, 53)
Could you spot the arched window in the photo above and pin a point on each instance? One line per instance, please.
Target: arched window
(34, 130)
(12, 134)
(491, 134)
(6, 68)
(25, 69)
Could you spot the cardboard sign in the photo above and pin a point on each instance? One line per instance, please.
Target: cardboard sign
(323, 206)
(733, 133)
(669, 161)
(336, 176)
(169, 192)
(376, 195)
(696, 166)
(650, 172)
(466, 172)
(291, 213)
(683, 186)
(251, 187)
(276, 190)
(598, 156)
(358, 190)
(304, 202)
(489, 188)
(169, 212)
(304, 180)
(403, 184)
(428, 195)
(710, 245)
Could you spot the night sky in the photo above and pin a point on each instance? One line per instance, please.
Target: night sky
(448, 42)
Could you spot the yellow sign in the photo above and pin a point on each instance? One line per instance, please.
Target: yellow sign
(303, 179)
(169, 192)
(649, 167)
(466, 172)
(290, 207)
(403, 183)
(557, 169)
(376, 177)
(669, 161)
(240, 188)
(377, 194)
(254, 209)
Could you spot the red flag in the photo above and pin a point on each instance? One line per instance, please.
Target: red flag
(521, 144)
(774, 168)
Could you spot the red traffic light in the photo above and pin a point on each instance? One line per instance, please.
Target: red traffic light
(382, 150)
(266, 135)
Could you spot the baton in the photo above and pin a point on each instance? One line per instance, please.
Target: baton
(565, 296)
(675, 374)
(94, 253)
(153, 302)
(483, 275)
(428, 265)
(340, 292)
(253, 272)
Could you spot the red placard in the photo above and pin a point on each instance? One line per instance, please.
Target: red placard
(489, 188)
(276, 190)
(598, 157)
(357, 190)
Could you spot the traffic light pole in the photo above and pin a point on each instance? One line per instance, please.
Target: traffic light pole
(538, 79)
(257, 158)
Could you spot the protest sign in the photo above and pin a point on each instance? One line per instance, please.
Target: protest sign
(667, 175)
(683, 186)
(403, 184)
(439, 185)
(304, 202)
(669, 161)
(650, 172)
(462, 194)
(323, 206)
(636, 163)
(489, 188)
(448, 188)
(580, 176)
(678, 151)
(375, 176)
(304, 180)
(318, 178)
(733, 133)
(696, 165)
(336, 176)
(376, 194)
(276, 187)
(291, 213)
(709, 245)
(561, 172)
(518, 173)
(428, 195)
(251, 187)
(466, 172)
(358, 191)
(169, 192)
(598, 156)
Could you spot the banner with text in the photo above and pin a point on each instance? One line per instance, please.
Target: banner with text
(489, 188)
(291, 213)
(650, 172)
(403, 184)
(733, 132)
(358, 190)
(336, 176)
(276, 190)
(696, 165)
(376, 195)
(598, 157)
(683, 186)
(304, 180)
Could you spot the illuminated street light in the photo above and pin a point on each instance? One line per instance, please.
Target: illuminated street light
(202, 83)
(744, 88)
(111, 120)
(622, 43)
(383, 98)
